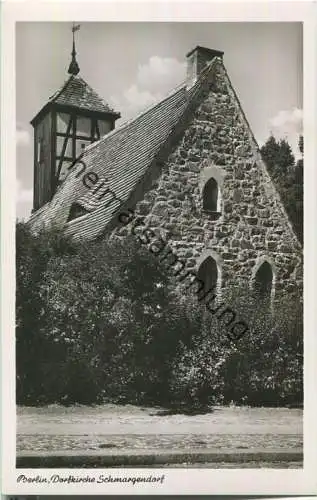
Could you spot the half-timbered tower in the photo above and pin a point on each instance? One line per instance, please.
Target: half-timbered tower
(74, 117)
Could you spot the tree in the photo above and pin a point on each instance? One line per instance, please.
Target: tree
(286, 159)
(298, 192)
(96, 321)
(270, 154)
(102, 322)
(287, 177)
(33, 253)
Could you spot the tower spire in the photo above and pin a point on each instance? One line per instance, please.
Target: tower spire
(73, 67)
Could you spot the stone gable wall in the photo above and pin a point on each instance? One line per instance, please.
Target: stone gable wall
(253, 225)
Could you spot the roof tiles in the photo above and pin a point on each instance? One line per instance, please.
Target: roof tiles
(77, 93)
(121, 159)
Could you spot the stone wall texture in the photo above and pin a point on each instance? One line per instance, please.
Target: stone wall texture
(253, 225)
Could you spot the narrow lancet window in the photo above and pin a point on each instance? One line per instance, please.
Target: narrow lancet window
(263, 281)
(208, 273)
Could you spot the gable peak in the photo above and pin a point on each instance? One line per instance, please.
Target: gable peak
(197, 60)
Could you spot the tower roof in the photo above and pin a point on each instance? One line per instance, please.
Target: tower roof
(77, 93)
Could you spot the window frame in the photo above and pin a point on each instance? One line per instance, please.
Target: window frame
(210, 192)
(260, 261)
(217, 174)
(220, 265)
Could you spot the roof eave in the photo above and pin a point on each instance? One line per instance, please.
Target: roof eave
(69, 108)
(43, 111)
(86, 111)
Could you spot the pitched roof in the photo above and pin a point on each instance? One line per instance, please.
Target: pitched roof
(124, 155)
(77, 93)
(125, 159)
(121, 159)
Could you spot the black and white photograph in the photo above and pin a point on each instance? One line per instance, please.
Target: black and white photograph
(159, 250)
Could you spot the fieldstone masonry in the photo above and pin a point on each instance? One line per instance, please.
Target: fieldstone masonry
(252, 227)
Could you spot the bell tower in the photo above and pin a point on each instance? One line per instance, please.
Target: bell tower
(74, 117)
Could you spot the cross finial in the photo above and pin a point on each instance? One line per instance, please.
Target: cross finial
(73, 67)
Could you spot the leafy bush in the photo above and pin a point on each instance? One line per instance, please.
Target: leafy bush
(32, 256)
(268, 361)
(265, 367)
(102, 322)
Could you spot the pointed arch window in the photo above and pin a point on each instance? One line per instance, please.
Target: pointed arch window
(208, 273)
(211, 198)
(263, 281)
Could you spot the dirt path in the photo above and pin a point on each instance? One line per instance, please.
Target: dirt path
(76, 428)
(115, 419)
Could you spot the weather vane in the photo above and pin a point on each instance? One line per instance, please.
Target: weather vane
(73, 67)
(75, 27)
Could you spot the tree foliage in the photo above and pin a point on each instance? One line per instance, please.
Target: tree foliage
(102, 322)
(288, 178)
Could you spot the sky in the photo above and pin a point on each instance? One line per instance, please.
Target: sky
(132, 65)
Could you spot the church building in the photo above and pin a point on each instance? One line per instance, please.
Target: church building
(188, 166)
